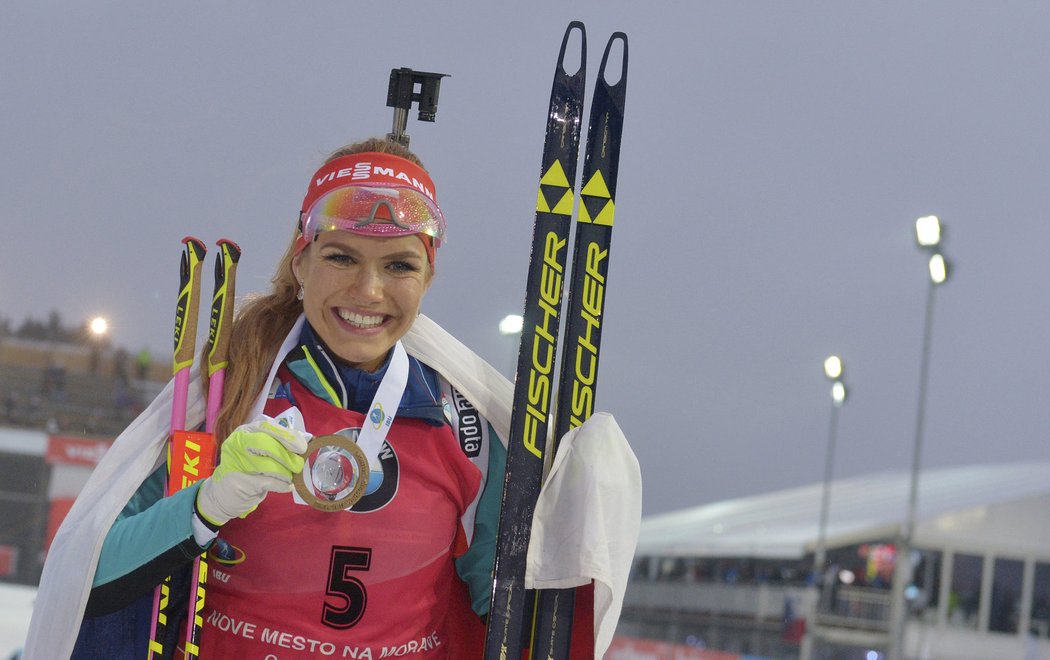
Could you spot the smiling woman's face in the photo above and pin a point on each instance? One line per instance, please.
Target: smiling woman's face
(362, 293)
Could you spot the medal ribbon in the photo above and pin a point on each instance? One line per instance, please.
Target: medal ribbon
(381, 413)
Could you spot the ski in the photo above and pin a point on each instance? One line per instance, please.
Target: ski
(186, 310)
(536, 354)
(217, 351)
(578, 372)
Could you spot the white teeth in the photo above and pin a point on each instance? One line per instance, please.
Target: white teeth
(360, 320)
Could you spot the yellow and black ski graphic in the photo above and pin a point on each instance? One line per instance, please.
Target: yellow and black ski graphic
(555, 195)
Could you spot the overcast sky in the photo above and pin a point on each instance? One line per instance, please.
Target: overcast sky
(775, 156)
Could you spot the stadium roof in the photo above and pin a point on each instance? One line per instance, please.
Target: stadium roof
(1003, 508)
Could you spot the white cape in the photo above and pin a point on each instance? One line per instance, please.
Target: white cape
(585, 527)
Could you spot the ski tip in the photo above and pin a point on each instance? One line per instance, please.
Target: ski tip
(622, 77)
(582, 63)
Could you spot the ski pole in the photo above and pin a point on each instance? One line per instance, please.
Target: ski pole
(217, 351)
(552, 620)
(536, 355)
(219, 327)
(186, 310)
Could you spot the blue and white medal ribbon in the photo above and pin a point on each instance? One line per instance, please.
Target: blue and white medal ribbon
(384, 406)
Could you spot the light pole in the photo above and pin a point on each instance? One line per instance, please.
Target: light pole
(928, 236)
(98, 327)
(511, 326)
(833, 371)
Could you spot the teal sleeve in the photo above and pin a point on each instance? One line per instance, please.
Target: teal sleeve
(475, 565)
(149, 526)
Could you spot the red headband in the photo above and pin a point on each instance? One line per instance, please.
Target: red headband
(373, 194)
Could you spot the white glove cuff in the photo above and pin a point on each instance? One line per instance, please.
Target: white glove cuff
(202, 534)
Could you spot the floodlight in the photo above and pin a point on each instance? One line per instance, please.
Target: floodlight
(833, 367)
(511, 324)
(838, 392)
(98, 326)
(928, 231)
(938, 269)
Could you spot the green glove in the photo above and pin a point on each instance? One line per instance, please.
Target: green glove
(255, 459)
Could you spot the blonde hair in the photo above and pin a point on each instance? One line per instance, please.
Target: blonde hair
(264, 320)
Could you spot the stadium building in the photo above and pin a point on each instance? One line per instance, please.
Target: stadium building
(735, 579)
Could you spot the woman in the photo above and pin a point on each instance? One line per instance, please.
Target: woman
(406, 570)
(289, 579)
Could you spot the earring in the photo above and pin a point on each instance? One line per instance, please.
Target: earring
(301, 292)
